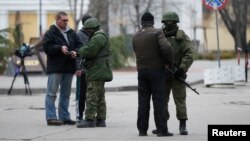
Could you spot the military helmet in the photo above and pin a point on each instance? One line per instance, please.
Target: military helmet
(170, 16)
(91, 23)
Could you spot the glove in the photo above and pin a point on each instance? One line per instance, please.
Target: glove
(180, 73)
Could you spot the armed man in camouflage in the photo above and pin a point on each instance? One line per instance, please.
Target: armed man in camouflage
(183, 58)
(98, 71)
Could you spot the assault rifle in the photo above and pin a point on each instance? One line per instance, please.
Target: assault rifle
(182, 80)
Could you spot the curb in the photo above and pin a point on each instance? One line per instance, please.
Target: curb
(21, 91)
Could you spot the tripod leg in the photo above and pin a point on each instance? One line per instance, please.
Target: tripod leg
(16, 73)
(26, 81)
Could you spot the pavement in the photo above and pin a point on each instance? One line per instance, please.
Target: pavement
(22, 117)
(122, 80)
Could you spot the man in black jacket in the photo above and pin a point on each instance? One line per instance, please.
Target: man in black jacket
(60, 43)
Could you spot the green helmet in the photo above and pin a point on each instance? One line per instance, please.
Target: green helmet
(170, 16)
(91, 23)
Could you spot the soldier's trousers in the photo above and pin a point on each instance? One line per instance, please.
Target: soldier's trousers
(95, 101)
(179, 95)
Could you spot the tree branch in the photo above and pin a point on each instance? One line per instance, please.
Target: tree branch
(227, 20)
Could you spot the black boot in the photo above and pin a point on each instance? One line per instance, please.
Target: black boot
(160, 134)
(86, 124)
(100, 123)
(154, 131)
(165, 134)
(182, 128)
(143, 134)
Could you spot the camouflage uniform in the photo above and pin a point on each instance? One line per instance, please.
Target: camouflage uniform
(98, 71)
(183, 58)
(183, 54)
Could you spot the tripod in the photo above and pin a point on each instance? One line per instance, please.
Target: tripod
(25, 76)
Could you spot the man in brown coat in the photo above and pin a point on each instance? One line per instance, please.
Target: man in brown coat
(153, 52)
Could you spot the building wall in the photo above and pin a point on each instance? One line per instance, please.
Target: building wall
(226, 41)
(29, 15)
(190, 13)
(28, 21)
(30, 25)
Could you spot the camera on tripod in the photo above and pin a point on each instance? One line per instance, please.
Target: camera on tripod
(23, 51)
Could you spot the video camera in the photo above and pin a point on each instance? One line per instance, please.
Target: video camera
(23, 51)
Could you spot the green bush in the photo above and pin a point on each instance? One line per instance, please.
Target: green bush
(10, 39)
(121, 50)
(4, 54)
(6, 49)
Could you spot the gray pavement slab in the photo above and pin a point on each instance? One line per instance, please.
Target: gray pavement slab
(23, 117)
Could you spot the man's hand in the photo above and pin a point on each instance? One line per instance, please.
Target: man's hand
(79, 73)
(73, 54)
(180, 73)
(65, 50)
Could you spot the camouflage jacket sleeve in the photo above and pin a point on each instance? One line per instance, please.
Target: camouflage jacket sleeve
(92, 48)
(188, 51)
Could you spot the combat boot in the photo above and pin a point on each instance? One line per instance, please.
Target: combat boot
(100, 123)
(182, 128)
(86, 124)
